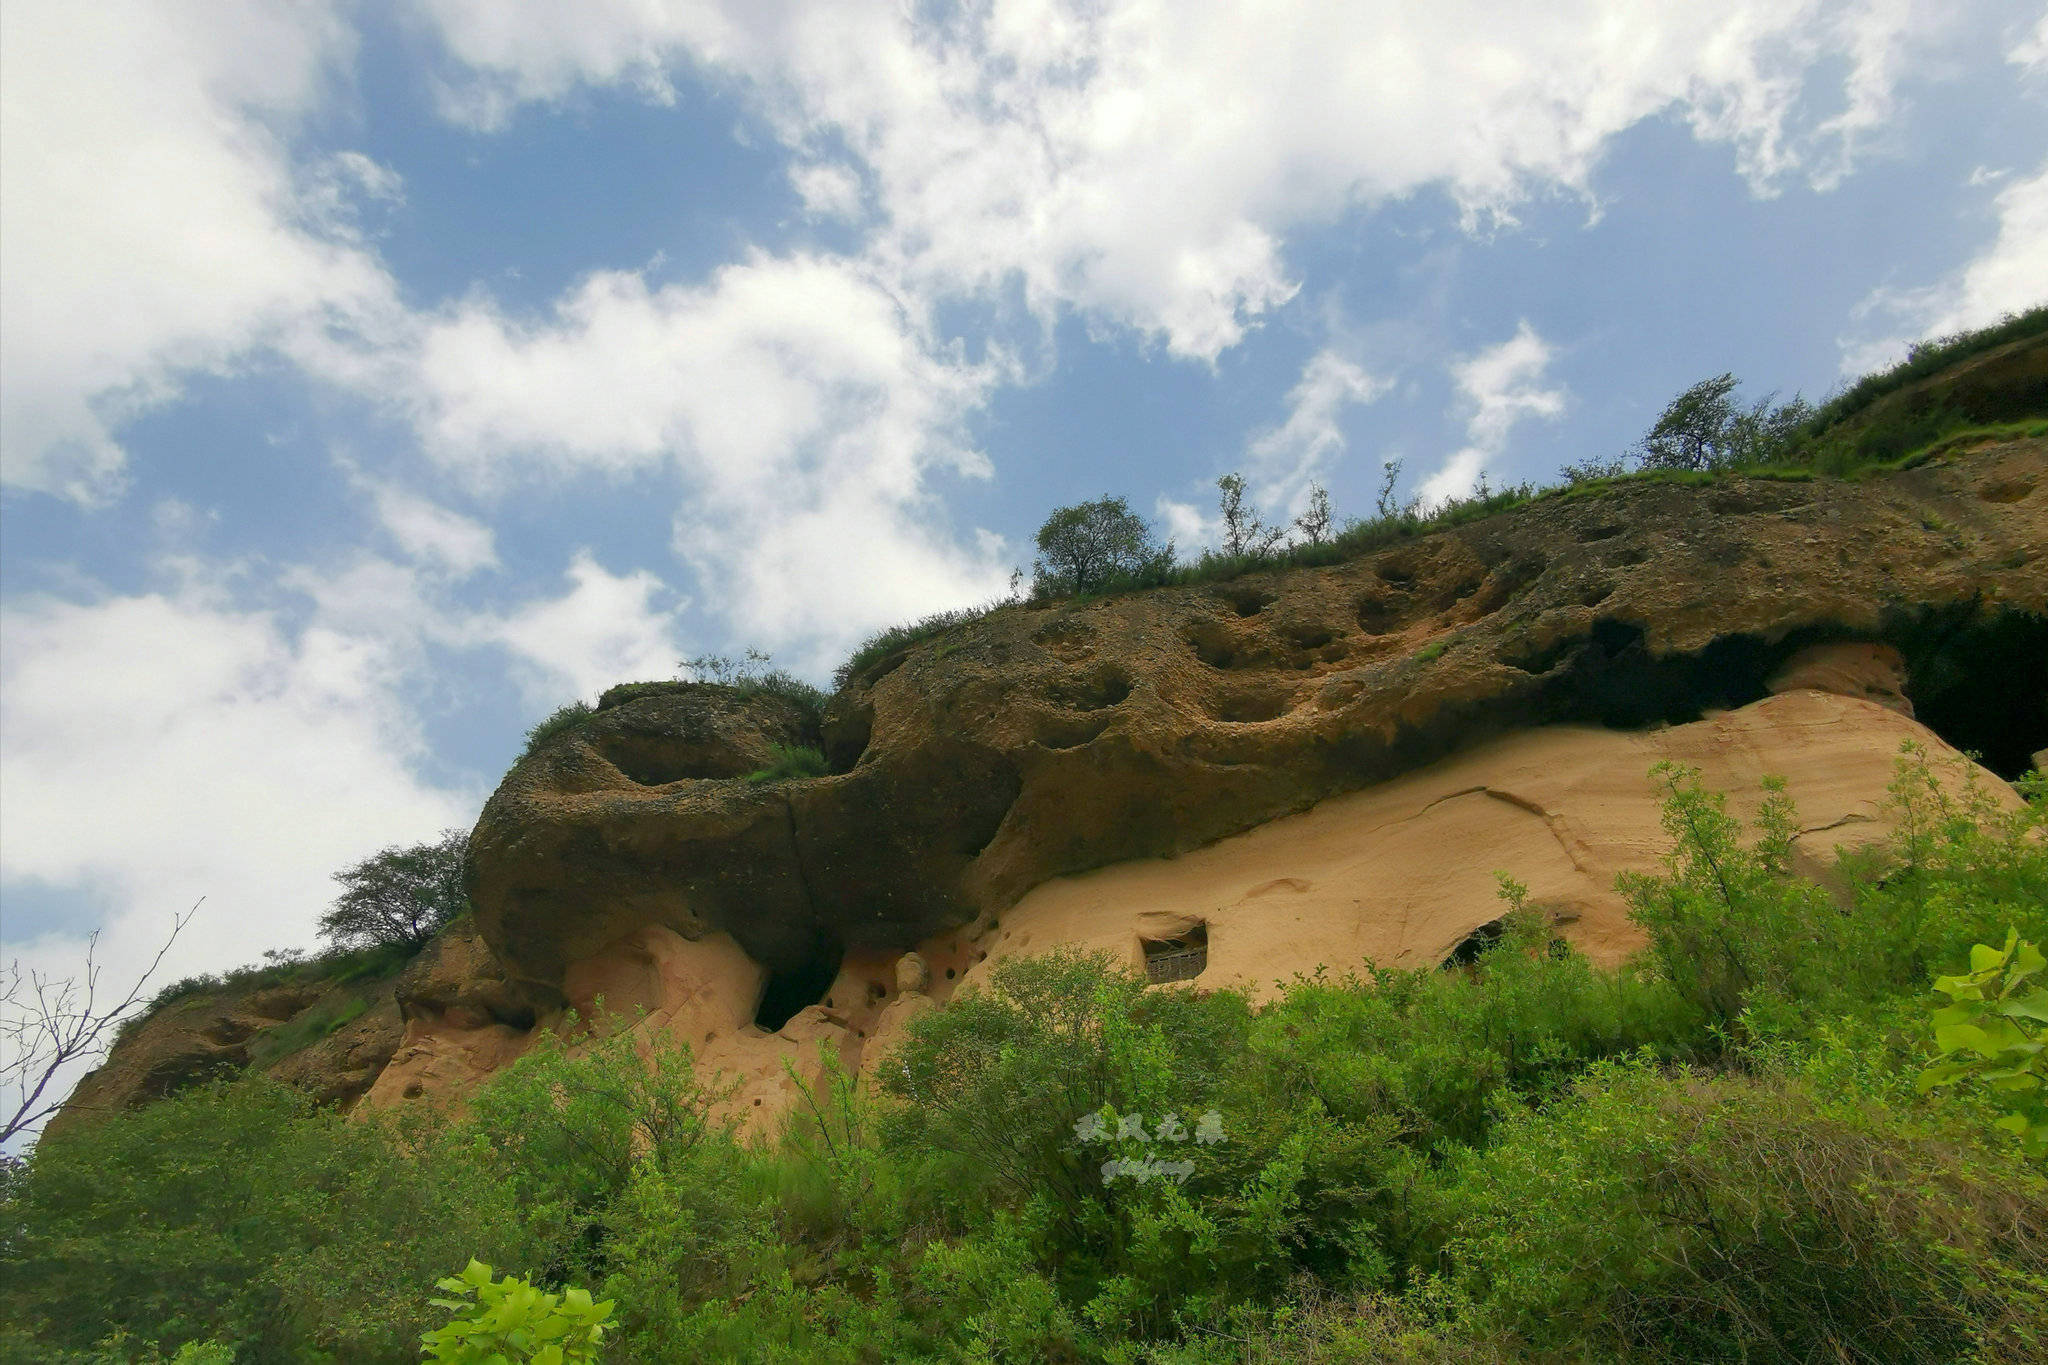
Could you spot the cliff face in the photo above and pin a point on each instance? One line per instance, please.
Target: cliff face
(1296, 768)
(1045, 741)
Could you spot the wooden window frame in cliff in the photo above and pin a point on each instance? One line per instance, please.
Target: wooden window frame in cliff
(1181, 958)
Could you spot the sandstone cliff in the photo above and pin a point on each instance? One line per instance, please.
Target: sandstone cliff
(1299, 768)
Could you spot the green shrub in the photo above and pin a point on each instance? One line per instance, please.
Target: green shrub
(565, 1126)
(1654, 1217)
(791, 762)
(240, 1212)
(510, 1322)
(1092, 546)
(1752, 945)
(1990, 1030)
(307, 1028)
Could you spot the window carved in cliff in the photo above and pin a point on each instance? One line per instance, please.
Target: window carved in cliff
(1181, 958)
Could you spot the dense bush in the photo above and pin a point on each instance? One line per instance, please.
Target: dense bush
(239, 1211)
(1720, 1153)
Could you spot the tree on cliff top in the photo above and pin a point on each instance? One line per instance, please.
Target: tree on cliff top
(401, 896)
(1087, 547)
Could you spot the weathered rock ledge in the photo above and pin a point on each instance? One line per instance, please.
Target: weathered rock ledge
(1043, 741)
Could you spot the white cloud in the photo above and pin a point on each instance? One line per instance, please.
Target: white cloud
(2030, 54)
(2008, 275)
(152, 223)
(164, 746)
(1290, 455)
(804, 406)
(1187, 526)
(432, 534)
(1142, 161)
(828, 190)
(605, 628)
(1503, 385)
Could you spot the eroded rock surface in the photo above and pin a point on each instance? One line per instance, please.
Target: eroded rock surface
(1043, 742)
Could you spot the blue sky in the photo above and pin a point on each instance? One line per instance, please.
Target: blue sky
(379, 377)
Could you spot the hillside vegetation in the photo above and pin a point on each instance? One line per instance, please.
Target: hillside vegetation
(1722, 1153)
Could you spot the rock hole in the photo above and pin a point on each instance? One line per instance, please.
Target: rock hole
(2011, 490)
(1975, 679)
(799, 985)
(1596, 593)
(1593, 533)
(1377, 615)
(1310, 637)
(949, 973)
(655, 760)
(1181, 958)
(1475, 945)
(1629, 557)
(1247, 601)
(1098, 691)
(1250, 708)
(1069, 732)
(1396, 572)
(1213, 647)
(848, 729)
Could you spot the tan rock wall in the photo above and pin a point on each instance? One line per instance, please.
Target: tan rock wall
(1396, 874)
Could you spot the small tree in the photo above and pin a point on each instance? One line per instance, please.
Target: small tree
(1386, 505)
(1082, 549)
(1704, 428)
(401, 896)
(1314, 524)
(1244, 533)
(1696, 430)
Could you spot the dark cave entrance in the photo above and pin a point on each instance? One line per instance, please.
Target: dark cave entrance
(799, 986)
(1977, 678)
(1980, 681)
(1475, 945)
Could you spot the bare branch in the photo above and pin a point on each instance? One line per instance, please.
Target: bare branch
(48, 1024)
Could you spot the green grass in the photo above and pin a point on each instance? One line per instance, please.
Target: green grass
(309, 1027)
(792, 762)
(1925, 360)
(565, 720)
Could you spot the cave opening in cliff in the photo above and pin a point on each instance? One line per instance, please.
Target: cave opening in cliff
(1183, 957)
(1610, 676)
(1981, 683)
(800, 985)
(1475, 945)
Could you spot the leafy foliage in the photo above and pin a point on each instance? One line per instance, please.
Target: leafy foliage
(510, 1322)
(1923, 360)
(1704, 428)
(1091, 546)
(1991, 1029)
(1717, 1153)
(400, 897)
(239, 1211)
